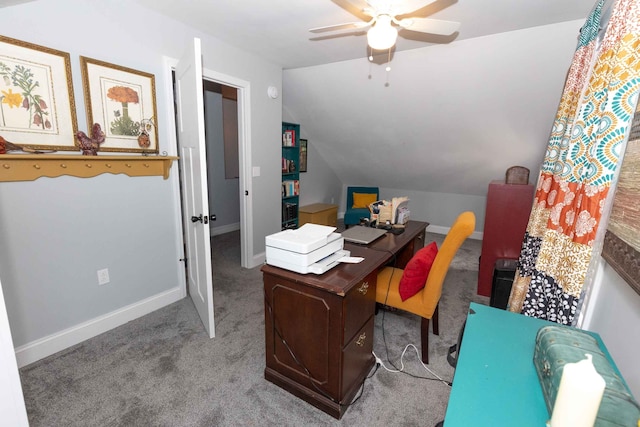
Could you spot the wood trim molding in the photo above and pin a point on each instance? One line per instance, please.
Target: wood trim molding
(623, 258)
(29, 167)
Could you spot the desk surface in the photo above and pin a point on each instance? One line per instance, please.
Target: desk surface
(339, 279)
(342, 277)
(495, 382)
(391, 242)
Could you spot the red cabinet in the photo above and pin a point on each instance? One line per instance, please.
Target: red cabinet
(505, 222)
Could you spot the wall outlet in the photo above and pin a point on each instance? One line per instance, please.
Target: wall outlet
(103, 276)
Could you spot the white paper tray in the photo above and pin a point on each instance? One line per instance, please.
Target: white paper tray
(319, 267)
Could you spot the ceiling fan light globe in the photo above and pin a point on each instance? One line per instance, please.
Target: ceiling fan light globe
(381, 37)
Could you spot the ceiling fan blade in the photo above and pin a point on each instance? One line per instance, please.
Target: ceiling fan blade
(345, 26)
(431, 26)
(395, 7)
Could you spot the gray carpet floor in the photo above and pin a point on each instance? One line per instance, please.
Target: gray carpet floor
(163, 370)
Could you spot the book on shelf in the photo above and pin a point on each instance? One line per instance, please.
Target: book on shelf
(289, 138)
(289, 211)
(291, 188)
(288, 165)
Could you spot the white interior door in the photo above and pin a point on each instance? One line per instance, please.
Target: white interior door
(12, 409)
(189, 97)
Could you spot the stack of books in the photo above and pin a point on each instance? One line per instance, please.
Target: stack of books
(290, 188)
(288, 165)
(289, 211)
(289, 138)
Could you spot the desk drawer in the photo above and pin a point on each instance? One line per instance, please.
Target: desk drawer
(359, 305)
(356, 357)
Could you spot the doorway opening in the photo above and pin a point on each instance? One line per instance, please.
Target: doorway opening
(189, 124)
(242, 89)
(223, 165)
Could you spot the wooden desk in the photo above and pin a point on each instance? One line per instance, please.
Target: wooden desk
(495, 382)
(401, 247)
(319, 328)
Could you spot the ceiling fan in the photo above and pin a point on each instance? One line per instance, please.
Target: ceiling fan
(389, 15)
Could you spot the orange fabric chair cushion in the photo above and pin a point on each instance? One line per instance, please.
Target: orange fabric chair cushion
(363, 200)
(417, 270)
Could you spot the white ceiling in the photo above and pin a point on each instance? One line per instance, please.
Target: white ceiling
(277, 30)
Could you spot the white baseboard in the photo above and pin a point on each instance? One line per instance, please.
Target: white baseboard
(259, 259)
(223, 228)
(54, 343)
(476, 235)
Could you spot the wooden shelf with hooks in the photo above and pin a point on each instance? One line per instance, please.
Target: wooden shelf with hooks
(29, 167)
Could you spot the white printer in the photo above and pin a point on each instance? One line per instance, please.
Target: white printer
(312, 248)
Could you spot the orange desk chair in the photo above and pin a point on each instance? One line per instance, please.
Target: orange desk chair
(425, 302)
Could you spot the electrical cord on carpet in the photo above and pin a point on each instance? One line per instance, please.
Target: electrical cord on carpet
(386, 347)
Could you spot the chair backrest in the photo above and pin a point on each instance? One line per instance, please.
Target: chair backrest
(460, 230)
(366, 190)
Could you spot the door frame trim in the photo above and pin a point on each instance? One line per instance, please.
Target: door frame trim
(244, 153)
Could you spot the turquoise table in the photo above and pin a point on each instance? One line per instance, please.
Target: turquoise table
(495, 383)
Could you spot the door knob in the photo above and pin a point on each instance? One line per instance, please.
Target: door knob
(212, 217)
(196, 218)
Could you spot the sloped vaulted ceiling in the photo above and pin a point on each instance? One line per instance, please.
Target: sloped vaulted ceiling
(451, 119)
(454, 116)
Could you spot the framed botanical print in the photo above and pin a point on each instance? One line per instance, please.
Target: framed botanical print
(37, 108)
(123, 102)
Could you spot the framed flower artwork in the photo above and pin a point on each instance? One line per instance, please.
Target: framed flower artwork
(123, 102)
(37, 108)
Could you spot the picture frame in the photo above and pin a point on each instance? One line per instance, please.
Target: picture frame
(123, 101)
(37, 106)
(303, 155)
(621, 247)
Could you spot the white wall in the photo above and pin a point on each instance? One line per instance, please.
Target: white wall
(224, 194)
(615, 315)
(57, 232)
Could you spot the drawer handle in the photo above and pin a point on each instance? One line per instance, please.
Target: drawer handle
(361, 339)
(363, 288)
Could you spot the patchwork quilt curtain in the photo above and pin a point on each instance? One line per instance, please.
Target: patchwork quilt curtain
(588, 134)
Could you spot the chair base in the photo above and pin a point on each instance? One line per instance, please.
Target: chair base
(424, 329)
(424, 334)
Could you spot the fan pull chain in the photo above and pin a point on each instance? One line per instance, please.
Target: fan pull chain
(370, 60)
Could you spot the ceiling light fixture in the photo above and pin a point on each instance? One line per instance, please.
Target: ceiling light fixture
(382, 35)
